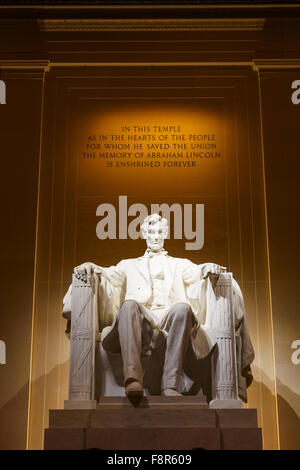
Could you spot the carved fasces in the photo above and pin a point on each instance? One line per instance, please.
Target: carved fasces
(2, 352)
(220, 320)
(2, 92)
(83, 330)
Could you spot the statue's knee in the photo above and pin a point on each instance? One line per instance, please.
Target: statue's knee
(129, 307)
(182, 311)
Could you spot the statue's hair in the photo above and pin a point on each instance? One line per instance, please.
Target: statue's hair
(153, 219)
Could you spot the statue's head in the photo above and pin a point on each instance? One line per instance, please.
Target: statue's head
(155, 229)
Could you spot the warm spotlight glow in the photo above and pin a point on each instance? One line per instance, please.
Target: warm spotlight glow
(162, 147)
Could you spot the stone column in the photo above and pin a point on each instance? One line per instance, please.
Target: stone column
(224, 365)
(84, 329)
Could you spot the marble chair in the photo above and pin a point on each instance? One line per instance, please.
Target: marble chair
(95, 373)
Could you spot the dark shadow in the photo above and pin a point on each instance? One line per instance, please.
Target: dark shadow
(19, 401)
(13, 419)
(15, 412)
(289, 421)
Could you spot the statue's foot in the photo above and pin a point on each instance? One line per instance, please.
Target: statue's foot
(134, 392)
(171, 392)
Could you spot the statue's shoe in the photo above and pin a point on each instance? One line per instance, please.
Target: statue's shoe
(170, 392)
(134, 391)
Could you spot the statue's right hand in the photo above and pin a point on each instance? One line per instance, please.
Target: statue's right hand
(84, 271)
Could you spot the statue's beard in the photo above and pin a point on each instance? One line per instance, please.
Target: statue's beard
(155, 246)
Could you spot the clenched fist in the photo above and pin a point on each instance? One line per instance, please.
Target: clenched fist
(84, 271)
(212, 268)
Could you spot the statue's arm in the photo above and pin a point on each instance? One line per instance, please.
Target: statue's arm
(197, 272)
(191, 272)
(114, 274)
(116, 277)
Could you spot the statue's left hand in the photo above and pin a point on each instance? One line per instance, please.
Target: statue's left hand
(212, 268)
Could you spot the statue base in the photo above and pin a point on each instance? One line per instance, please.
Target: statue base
(225, 404)
(157, 423)
(80, 404)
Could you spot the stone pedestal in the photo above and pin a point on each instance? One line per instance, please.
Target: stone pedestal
(227, 403)
(80, 404)
(158, 423)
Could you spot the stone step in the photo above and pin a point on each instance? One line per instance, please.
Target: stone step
(134, 417)
(236, 418)
(153, 417)
(166, 423)
(135, 438)
(155, 401)
(153, 439)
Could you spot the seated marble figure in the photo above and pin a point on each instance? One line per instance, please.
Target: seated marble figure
(162, 303)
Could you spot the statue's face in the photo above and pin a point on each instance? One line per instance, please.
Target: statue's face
(155, 236)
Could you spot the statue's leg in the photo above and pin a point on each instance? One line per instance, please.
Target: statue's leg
(130, 320)
(179, 323)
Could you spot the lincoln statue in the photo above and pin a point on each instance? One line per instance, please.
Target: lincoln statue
(160, 296)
